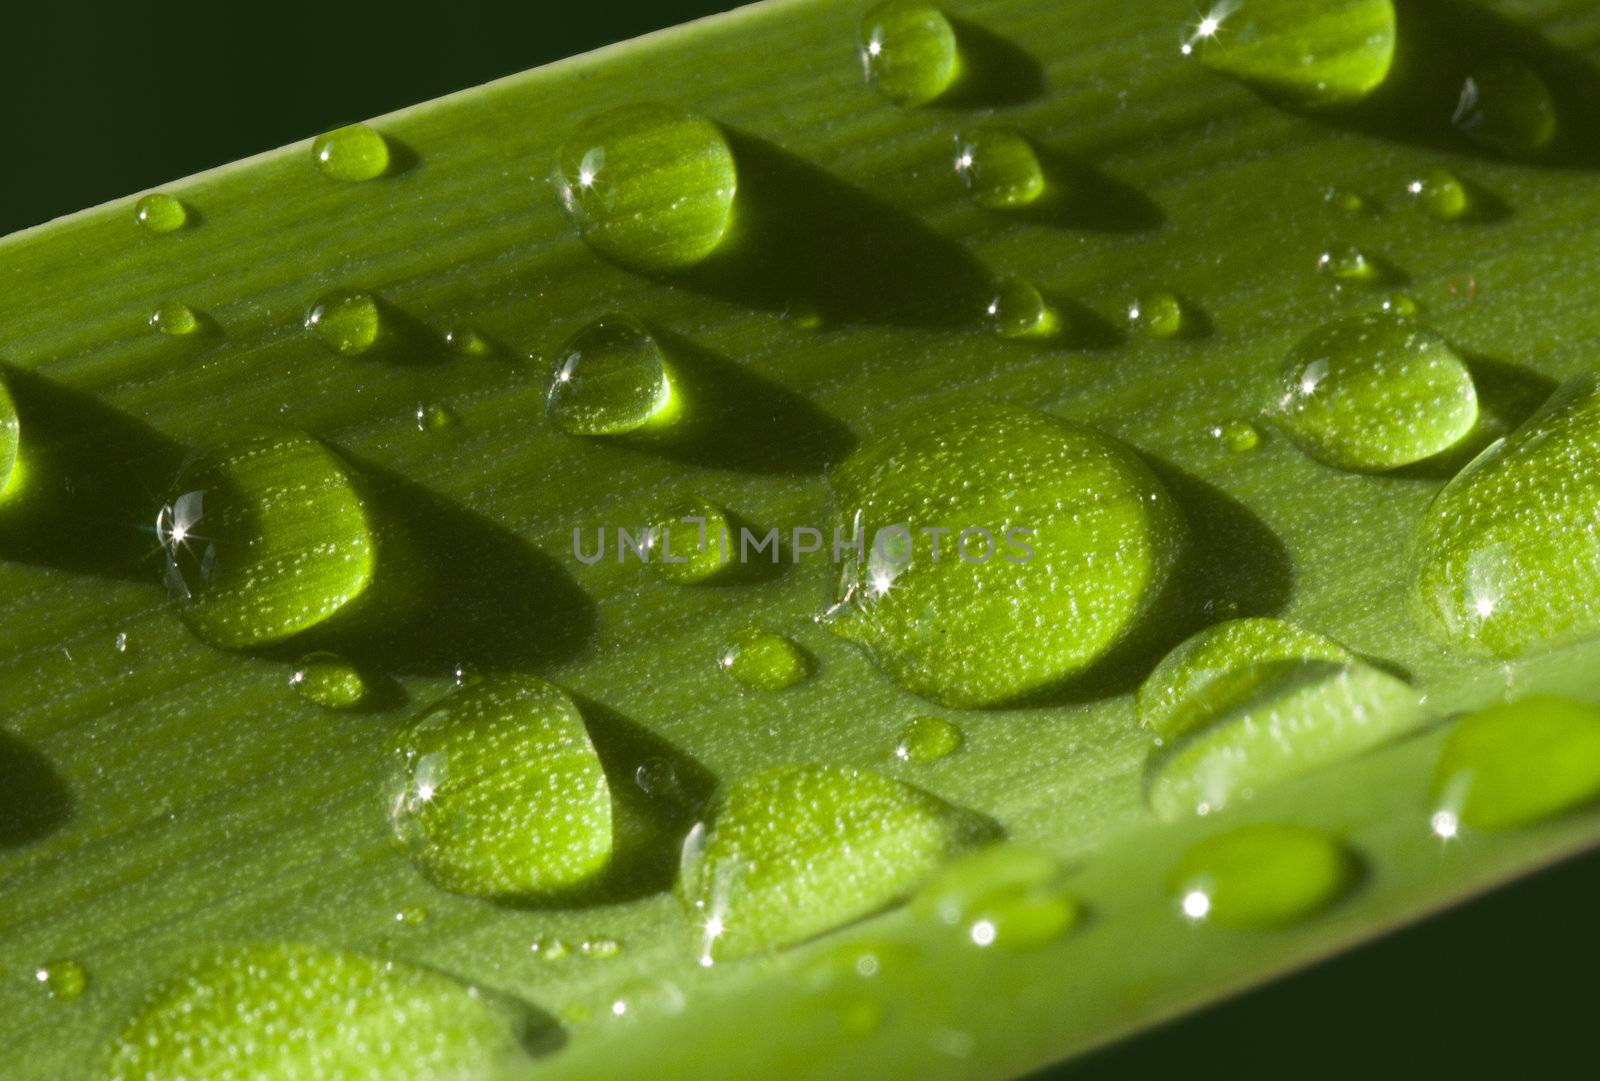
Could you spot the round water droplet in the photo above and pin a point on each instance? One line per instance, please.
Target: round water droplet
(1348, 264)
(550, 949)
(268, 538)
(1507, 106)
(928, 739)
(10, 438)
(411, 917)
(1311, 52)
(346, 322)
(601, 949)
(1157, 315)
(649, 186)
(908, 51)
(764, 661)
(1050, 551)
(120, 643)
(1506, 559)
(351, 153)
(432, 416)
(468, 341)
(328, 680)
(999, 168)
(658, 779)
(1399, 304)
(1237, 435)
(286, 1013)
(1517, 763)
(1006, 896)
(609, 378)
(1344, 201)
(160, 213)
(1374, 393)
(175, 318)
(501, 792)
(62, 980)
(1441, 194)
(690, 542)
(1263, 875)
(794, 851)
(1017, 310)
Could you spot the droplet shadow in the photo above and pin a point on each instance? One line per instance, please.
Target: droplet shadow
(1508, 394)
(34, 799)
(995, 71)
(1081, 196)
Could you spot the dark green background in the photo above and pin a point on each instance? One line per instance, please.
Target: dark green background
(98, 101)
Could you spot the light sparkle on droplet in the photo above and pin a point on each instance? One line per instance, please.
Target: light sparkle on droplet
(1445, 825)
(983, 933)
(1196, 904)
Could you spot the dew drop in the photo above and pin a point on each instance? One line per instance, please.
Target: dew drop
(468, 341)
(658, 779)
(285, 1012)
(1156, 315)
(908, 51)
(1441, 194)
(1311, 52)
(600, 949)
(1007, 896)
(329, 681)
(928, 739)
(175, 318)
(999, 168)
(501, 792)
(1374, 393)
(159, 212)
(794, 851)
(1018, 310)
(1402, 305)
(689, 542)
(1347, 264)
(1517, 763)
(1051, 550)
(609, 378)
(1237, 435)
(63, 980)
(10, 438)
(411, 916)
(1345, 201)
(346, 322)
(649, 186)
(120, 643)
(648, 997)
(267, 538)
(433, 416)
(550, 949)
(1506, 105)
(1264, 875)
(351, 153)
(764, 661)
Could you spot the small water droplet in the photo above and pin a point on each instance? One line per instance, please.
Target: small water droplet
(1346, 201)
(1264, 875)
(1441, 194)
(1018, 310)
(347, 322)
(1348, 264)
(1237, 435)
(159, 212)
(649, 186)
(908, 51)
(1156, 315)
(658, 779)
(609, 378)
(351, 153)
(999, 168)
(690, 542)
(411, 917)
(465, 673)
(121, 642)
(1313, 52)
(468, 341)
(432, 416)
(1505, 105)
(1517, 763)
(928, 739)
(10, 438)
(501, 792)
(175, 318)
(601, 949)
(550, 949)
(1402, 305)
(764, 661)
(63, 980)
(329, 681)
(1374, 393)
(1006, 896)
(648, 998)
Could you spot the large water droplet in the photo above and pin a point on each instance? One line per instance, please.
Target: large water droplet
(794, 851)
(268, 538)
(1018, 310)
(649, 186)
(609, 378)
(764, 661)
(328, 680)
(1374, 393)
(175, 318)
(502, 793)
(351, 153)
(289, 1013)
(1507, 106)
(1312, 52)
(1157, 314)
(62, 980)
(1519, 762)
(1051, 548)
(999, 168)
(1442, 194)
(1005, 895)
(908, 51)
(1264, 875)
(346, 322)
(928, 739)
(689, 543)
(1506, 559)
(159, 212)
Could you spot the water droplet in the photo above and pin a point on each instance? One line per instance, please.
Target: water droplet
(1237, 435)
(1441, 194)
(649, 186)
(159, 212)
(1348, 264)
(648, 997)
(1018, 310)
(1401, 305)
(465, 674)
(1050, 551)
(432, 416)
(550, 949)
(1156, 315)
(468, 341)
(346, 322)
(328, 680)
(268, 538)
(1517, 763)
(62, 980)
(1347, 202)
(601, 949)
(908, 51)
(351, 153)
(284, 1012)
(690, 542)
(1506, 559)
(1263, 875)
(794, 851)
(1312, 52)
(175, 318)
(1006, 895)
(764, 661)
(10, 438)
(658, 779)
(1374, 393)
(121, 642)
(928, 739)
(999, 168)
(1303, 715)
(501, 792)
(609, 378)
(1506, 105)
(411, 917)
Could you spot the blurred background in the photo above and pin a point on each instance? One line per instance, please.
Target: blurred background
(99, 100)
